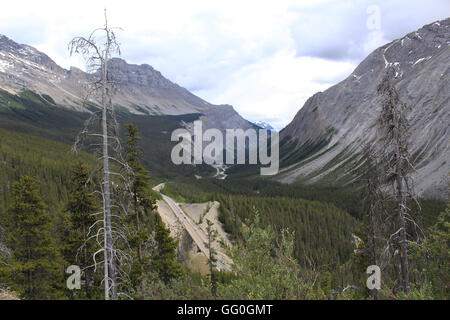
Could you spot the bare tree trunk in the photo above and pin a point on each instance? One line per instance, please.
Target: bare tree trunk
(110, 274)
(373, 199)
(86, 260)
(106, 203)
(401, 201)
(373, 226)
(401, 209)
(138, 226)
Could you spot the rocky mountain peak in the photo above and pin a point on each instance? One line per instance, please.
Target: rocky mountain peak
(142, 89)
(140, 75)
(25, 56)
(409, 52)
(334, 124)
(264, 125)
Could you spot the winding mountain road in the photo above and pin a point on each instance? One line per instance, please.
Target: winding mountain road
(194, 231)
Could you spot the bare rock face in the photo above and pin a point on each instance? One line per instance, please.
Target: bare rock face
(332, 125)
(142, 89)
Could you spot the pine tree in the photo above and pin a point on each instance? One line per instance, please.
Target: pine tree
(140, 186)
(36, 264)
(164, 258)
(436, 252)
(266, 269)
(143, 206)
(82, 209)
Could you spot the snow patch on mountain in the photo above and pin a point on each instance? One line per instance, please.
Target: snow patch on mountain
(264, 125)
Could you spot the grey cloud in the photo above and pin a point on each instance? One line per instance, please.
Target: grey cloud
(33, 32)
(198, 61)
(399, 19)
(338, 30)
(333, 31)
(205, 56)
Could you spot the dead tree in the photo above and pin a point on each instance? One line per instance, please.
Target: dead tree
(373, 203)
(397, 165)
(98, 49)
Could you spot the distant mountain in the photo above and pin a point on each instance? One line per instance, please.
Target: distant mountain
(323, 141)
(142, 90)
(264, 125)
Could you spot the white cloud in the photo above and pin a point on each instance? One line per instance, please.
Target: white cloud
(275, 88)
(264, 57)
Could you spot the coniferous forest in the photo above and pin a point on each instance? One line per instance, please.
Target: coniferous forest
(315, 237)
(94, 207)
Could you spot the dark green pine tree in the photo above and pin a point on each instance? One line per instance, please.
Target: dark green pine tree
(81, 209)
(433, 257)
(36, 266)
(164, 258)
(140, 219)
(139, 187)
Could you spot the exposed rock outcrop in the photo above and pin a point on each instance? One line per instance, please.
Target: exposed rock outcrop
(323, 140)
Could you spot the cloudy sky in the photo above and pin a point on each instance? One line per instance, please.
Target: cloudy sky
(263, 57)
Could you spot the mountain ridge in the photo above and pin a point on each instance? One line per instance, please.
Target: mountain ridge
(142, 91)
(325, 137)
